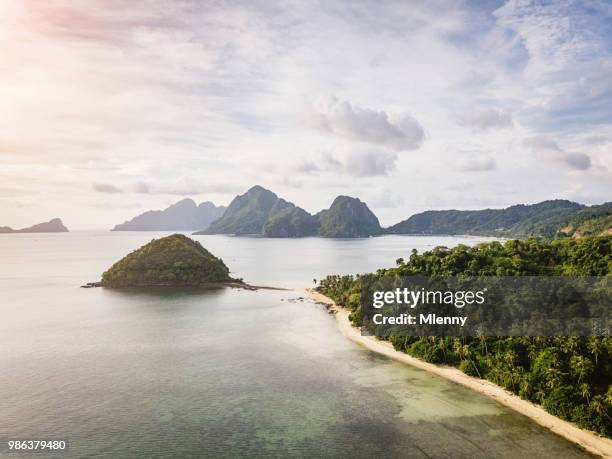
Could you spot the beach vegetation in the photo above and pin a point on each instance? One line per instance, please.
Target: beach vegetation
(569, 376)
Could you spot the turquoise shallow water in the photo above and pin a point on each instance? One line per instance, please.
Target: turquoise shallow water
(223, 373)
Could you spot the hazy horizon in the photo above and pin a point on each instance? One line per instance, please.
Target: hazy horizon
(398, 218)
(111, 109)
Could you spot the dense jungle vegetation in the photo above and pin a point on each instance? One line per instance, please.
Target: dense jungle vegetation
(570, 377)
(174, 260)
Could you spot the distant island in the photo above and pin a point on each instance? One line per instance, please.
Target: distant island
(262, 212)
(184, 215)
(52, 226)
(174, 260)
(555, 218)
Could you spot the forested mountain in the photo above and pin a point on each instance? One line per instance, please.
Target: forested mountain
(569, 376)
(261, 212)
(52, 226)
(542, 219)
(184, 215)
(248, 213)
(291, 222)
(348, 217)
(592, 221)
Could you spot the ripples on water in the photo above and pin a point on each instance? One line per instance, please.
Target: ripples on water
(224, 373)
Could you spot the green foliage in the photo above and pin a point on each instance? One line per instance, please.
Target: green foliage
(247, 213)
(290, 222)
(571, 377)
(529, 257)
(469, 368)
(348, 217)
(171, 261)
(593, 221)
(544, 219)
(261, 212)
(594, 226)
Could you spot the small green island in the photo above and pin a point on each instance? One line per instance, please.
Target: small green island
(172, 261)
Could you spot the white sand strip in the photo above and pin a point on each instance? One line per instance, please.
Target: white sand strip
(588, 440)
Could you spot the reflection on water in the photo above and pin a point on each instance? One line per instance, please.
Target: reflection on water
(227, 373)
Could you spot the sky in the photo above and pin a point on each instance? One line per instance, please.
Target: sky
(110, 108)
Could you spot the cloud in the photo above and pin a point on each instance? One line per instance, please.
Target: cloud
(586, 193)
(550, 150)
(307, 167)
(183, 187)
(13, 192)
(116, 205)
(187, 187)
(141, 187)
(485, 119)
(330, 162)
(355, 162)
(601, 155)
(577, 161)
(106, 188)
(474, 163)
(568, 63)
(195, 97)
(370, 163)
(385, 199)
(354, 123)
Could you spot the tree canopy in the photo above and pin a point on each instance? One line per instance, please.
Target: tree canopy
(571, 377)
(174, 260)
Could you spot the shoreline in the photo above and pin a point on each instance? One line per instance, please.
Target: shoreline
(590, 441)
(208, 285)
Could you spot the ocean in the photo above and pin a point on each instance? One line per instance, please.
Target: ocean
(224, 373)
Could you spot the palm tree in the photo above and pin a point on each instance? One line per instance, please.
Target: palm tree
(585, 391)
(595, 347)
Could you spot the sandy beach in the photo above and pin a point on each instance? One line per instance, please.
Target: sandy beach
(588, 440)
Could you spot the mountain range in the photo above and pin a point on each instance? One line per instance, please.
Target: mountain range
(261, 212)
(52, 226)
(544, 219)
(184, 215)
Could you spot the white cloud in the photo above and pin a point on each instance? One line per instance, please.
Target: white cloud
(370, 163)
(188, 186)
(384, 199)
(355, 162)
(355, 123)
(601, 155)
(566, 74)
(106, 188)
(549, 149)
(483, 119)
(159, 97)
(474, 163)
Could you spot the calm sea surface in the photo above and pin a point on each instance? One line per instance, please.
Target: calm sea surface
(224, 373)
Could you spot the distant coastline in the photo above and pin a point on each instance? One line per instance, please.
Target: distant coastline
(260, 212)
(54, 225)
(588, 440)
